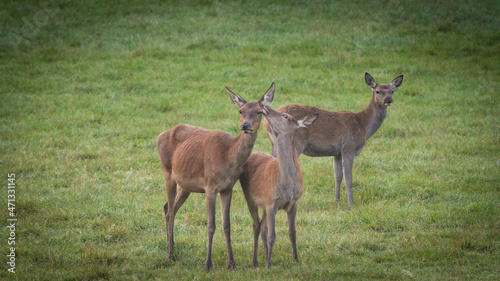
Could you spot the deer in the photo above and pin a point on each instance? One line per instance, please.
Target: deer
(274, 183)
(341, 134)
(197, 160)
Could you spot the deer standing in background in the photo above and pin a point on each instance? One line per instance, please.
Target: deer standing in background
(205, 161)
(275, 183)
(341, 134)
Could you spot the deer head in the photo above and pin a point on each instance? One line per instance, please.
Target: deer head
(251, 112)
(283, 123)
(382, 93)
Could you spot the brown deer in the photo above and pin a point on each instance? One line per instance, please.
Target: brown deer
(275, 183)
(341, 134)
(208, 161)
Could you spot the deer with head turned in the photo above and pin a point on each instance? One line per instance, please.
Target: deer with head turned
(275, 183)
(208, 161)
(341, 134)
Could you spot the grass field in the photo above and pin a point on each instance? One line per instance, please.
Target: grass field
(86, 86)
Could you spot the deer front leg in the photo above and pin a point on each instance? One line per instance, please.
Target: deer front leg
(292, 232)
(337, 167)
(271, 234)
(210, 201)
(347, 163)
(226, 224)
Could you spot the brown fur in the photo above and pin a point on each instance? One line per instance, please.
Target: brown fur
(274, 183)
(341, 134)
(208, 161)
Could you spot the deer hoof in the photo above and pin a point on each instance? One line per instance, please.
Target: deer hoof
(208, 265)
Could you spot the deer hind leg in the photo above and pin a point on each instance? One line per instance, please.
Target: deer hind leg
(337, 168)
(347, 164)
(168, 208)
(292, 231)
(263, 233)
(271, 234)
(165, 210)
(210, 201)
(226, 224)
(181, 197)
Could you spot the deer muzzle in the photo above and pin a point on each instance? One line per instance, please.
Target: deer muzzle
(388, 101)
(245, 127)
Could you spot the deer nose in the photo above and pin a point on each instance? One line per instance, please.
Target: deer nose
(388, 100)
(245, 126)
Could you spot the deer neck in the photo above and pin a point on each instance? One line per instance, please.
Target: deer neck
(289, 172)
(372, 117)
(242, 148)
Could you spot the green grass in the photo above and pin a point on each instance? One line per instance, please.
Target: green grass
(87, 86)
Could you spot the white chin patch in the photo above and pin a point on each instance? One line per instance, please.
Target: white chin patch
(387, 104)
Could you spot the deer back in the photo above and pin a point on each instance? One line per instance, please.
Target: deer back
(331, 131)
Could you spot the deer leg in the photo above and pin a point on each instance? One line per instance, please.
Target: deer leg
(165, 210)
(210, 201)
(292, 231)
(263, 233)
(254, 212)
(168, 208)
(347, 163)
(271, 234)
(181, 197)
(337, 168)
(226, 224)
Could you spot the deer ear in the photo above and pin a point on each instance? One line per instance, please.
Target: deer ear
(397, 82)
(308, 120)
(267, 98)
(370, 81)
(237, 100)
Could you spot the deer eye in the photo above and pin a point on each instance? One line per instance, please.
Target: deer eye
(260, 112)
(240, 111)
(285, 116)
(377, 92)
(392, 92)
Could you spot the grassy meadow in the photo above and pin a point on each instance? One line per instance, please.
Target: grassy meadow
(86, 87)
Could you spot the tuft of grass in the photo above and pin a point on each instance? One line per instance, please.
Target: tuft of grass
(86, 88)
